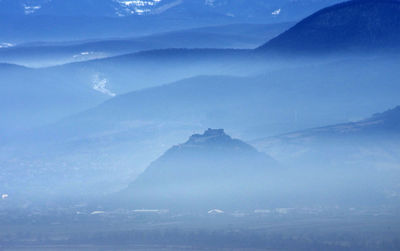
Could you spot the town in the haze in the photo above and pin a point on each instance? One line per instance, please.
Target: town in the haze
(165, 125)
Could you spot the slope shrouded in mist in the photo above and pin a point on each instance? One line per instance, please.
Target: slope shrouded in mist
(368, 143)
(209, 167)
(91, 152)
(380, 124)
(271, 97)
(41, 54)
(152, 68)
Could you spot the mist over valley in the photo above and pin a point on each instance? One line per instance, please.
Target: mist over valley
(199, 125)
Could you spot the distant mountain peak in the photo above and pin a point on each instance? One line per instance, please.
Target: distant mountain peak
(386, 123)
(207, 165)
(121, 8)
(215, 139)
(391, 113)
(353, 26)
(209, 136)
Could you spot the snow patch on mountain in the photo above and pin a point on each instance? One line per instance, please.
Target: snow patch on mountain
(31, 9)
(140, 3)
(100, 85)
(87, 55)
(210, 2)
(216, 211)
(6, 45)
(276, 12)
(138, 7)
(97, 212)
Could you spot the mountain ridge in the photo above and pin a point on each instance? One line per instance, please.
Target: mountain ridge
(368, 143)
(58, 20)
(120, 8)
(239, 36)
(353, 26)
(387, 122)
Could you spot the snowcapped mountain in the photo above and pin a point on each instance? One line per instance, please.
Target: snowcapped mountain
(137, 7)
(81, 7)
(51, 20)
(115, 8)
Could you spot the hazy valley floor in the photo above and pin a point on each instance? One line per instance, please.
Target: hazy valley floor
(276, 229)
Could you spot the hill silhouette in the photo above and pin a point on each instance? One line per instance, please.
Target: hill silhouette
(353, 26)
(206, 170)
